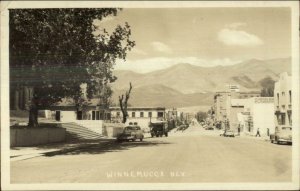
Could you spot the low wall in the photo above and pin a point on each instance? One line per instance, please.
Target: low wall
(112, 129)
(36, 136)
(93, 125)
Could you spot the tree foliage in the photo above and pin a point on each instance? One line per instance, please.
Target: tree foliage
(56, 50)
(201, 116)
(267, 85)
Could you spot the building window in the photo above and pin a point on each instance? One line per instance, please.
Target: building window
(141, 114)
(93, 115)
(279, 119)
(160, 114)
(283, 119)
(133, 114)
(97, 115)
(150, 114)
(290, 95)
(79, 115)
(290, 118)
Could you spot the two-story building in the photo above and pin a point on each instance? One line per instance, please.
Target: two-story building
(140, 115)
(283, 100)
(225, 109)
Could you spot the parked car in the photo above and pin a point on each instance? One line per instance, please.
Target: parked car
(209, 128)
(227, 133)
(131, 132)
(282, 134)
(182, 127)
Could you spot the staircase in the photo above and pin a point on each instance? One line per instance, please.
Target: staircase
(75, 132)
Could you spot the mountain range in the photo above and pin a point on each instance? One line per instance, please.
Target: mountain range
(184, 85)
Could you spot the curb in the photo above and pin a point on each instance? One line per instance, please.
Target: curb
(66, 150)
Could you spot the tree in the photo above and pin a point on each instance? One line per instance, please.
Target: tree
(55, 51)
(201, 116)
(105, 96)
(267, 85)
(123, 101)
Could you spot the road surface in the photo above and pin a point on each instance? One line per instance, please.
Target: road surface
(186, 158)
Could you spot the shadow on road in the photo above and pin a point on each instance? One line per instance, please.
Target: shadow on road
(106, 146)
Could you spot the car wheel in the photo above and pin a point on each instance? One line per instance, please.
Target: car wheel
(141, 139)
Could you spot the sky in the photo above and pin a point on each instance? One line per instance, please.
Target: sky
(202, 36)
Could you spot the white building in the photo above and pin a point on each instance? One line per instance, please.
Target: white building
(140, 115)
(283, 100)
(258, 112)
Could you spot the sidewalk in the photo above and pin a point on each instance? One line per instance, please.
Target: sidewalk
(262, 138)
(23, 153)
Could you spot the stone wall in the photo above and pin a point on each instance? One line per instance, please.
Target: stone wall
(36, 136)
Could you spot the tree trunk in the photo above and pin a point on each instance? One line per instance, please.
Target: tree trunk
(33, 113)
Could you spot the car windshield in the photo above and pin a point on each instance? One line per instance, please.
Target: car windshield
(132, 128)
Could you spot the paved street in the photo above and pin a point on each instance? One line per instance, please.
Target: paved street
(177, 158)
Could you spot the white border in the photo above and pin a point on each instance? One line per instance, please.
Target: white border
(5, 160)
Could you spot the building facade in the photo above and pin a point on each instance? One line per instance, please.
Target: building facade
(257, 114)
(283, 100)
(225, 110)
(140, 115)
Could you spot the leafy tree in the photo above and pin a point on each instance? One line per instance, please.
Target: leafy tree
(201, 116)
(105, 95)
(55, 51)
(123, 101)
(267, 85)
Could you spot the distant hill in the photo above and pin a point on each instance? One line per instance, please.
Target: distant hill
(184, 85)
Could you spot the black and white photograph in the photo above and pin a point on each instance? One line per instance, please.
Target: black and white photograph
(162, 95)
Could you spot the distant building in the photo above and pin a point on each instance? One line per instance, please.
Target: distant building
(224, 108)
(140, 115)
(66, 111)
(283, 100)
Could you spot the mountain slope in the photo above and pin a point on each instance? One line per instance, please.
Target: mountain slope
(188, 78)
(185, 85)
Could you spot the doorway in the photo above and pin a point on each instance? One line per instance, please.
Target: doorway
(57, 115)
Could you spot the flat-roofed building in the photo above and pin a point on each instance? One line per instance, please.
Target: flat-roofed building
(283, 100)
(140, 115)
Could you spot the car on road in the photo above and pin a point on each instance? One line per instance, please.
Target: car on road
(283, 134)
(209, 128)
(131, 132)
(227, 133)
(158, 129)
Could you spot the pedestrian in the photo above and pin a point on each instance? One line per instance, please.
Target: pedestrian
(257, 133)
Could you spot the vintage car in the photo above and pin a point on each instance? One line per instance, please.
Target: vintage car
(227, 133)
(158, 129)
(209, 128)
(283, 134)
(131, 132)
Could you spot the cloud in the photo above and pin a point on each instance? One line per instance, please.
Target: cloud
(161, 47)
(138, 51)
(234, 37)
(158, 63)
